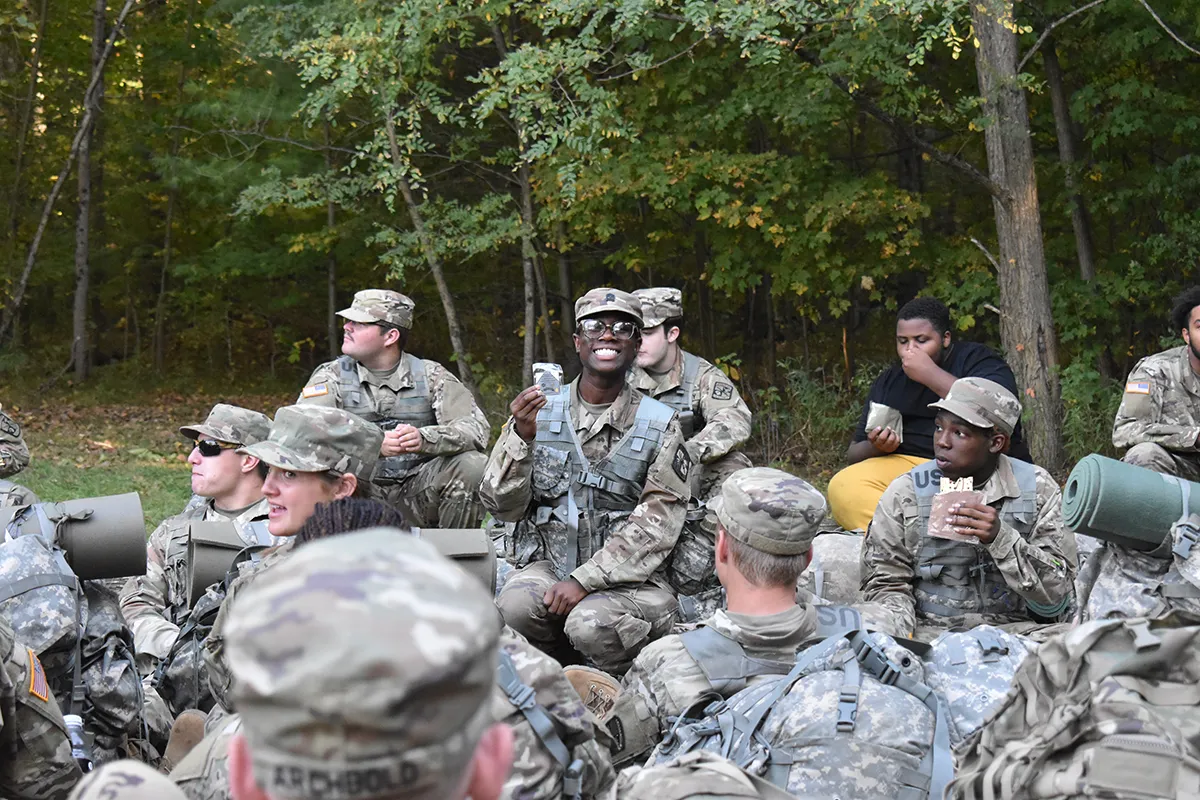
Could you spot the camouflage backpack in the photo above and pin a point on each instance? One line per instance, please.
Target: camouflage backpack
(973, 670)
(78, 633)
(696, 774)
(852, 719)
(1109, 709)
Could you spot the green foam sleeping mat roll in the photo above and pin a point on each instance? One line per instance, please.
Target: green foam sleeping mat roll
(1124, 504)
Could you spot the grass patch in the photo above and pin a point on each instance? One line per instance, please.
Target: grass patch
(89, 450)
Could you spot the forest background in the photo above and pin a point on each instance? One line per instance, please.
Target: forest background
(191, 188)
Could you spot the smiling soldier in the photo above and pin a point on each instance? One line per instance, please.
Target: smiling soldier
(1018, 561)
(596, 479)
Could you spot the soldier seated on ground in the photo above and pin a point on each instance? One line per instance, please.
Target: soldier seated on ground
(365, 668)
(432, 454)
(230, 483)
(712, 415)
(930, 361)
(596, 479)
(766, 523)
(1016, 567)
(1159, 417)
(315, 455)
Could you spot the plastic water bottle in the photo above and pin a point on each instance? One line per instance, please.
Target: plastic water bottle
(79, 746)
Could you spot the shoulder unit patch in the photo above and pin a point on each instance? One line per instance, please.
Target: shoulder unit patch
(682, 464)
(722, 390)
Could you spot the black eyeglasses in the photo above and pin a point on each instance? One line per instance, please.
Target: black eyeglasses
(211, 447)
(594, 329)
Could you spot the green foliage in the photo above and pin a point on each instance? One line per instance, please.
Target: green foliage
(1091, 403)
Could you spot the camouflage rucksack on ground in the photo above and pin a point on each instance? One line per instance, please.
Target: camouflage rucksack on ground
(973, 671)
(852, 719)
(696, 774)
(76, 629)
(1109, 709)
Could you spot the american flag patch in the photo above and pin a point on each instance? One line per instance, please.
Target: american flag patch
(37, 678)
(1137, 387)
(316, 390)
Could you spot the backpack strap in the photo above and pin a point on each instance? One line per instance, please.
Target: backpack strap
(724, 662)
(522, 696)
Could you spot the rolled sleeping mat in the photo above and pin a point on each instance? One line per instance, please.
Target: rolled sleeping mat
(1124, 504)
(212, 547)
(102, 537)
(470, 548)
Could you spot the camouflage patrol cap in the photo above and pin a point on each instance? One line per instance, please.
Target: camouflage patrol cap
(597, 301)
(983, 403)
(363, 667)
(126, 780)
(380, 305)
(659, 305)
(770, 510)
(231, 424)
(315, 439)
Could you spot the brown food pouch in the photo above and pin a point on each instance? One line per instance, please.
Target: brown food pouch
(940, 524)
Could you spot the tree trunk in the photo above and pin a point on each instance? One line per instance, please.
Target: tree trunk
(566, 298)
(1064, 127)
(35, 62)
(335, 341)
(79, 319)
(539, 274)
(528, 259)
(85, 126)
(431, 258)
(1026, 324)
(160, 305)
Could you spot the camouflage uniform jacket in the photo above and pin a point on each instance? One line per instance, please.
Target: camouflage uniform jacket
(14, 453)
(155, 604)
(35, 754)
(461, 425)
(220, 679)
(1040, 568)
(1161, 404)
(718, 407)
(636, 548)
(665, 680)
(536, 775)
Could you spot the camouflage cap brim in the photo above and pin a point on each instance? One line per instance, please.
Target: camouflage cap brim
(971, 415)
(355, 315)
(275, 455)
(203, 431)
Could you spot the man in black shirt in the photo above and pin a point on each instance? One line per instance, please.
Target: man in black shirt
(929, 363)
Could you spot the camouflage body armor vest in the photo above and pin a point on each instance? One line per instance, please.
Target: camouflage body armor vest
(680, 398)
(577, 502)
(955, 578)
(411, 406)
(728, 668)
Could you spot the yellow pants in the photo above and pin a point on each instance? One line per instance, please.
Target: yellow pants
(855, 491)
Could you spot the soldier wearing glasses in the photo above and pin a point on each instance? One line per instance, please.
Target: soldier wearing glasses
(434, 433)
(229, 486)
(595, 477)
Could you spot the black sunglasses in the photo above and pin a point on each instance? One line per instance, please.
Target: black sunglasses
(211, 447)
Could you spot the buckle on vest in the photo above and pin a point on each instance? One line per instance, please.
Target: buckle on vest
(876, 663)
(1143, 637)
(523, 699)
(1188, 538)
(847, 709)
(592, 480)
